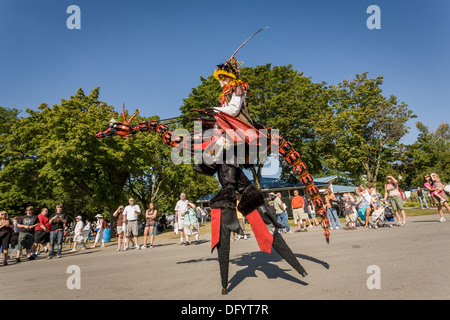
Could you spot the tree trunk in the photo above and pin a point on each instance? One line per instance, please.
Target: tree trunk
(257, 176)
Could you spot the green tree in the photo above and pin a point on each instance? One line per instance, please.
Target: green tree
(360, 127)
(53, 156)
(429, 153)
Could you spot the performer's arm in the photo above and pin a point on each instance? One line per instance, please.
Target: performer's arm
(234, 106)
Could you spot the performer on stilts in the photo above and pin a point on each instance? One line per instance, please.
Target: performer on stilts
(234, 114)
(232, 179)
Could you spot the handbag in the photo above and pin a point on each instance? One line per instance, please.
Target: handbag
(334, 204)
(175, 228)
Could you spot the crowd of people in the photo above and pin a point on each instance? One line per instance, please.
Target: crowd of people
(358, 207)
(32, 233)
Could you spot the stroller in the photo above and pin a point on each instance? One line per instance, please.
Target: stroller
(380, 217)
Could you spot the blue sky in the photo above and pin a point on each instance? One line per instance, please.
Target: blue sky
(151, 53)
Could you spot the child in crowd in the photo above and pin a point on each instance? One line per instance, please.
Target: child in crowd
(440, 186)
(349, 204)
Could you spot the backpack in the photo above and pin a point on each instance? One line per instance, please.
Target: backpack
(104, 224)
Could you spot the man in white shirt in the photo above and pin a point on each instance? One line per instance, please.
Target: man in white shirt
(180, 208)
(131, 213)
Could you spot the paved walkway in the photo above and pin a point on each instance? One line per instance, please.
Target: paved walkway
(409, 262)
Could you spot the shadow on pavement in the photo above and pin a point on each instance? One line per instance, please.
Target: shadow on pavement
(263, 262)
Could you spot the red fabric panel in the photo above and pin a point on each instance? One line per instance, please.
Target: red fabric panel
(215, 227)
(262, 234)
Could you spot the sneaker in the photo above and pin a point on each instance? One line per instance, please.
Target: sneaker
(31, 257)
(125, 248)
(58, 256)
(245, 236)
(17, 260)
(144, 246)
(442, 219)
(73, 250)
(187, 243)
(45, 249)
(138, 247)
(310, 226)
(151, 246)
(49, 257)
(38, 253)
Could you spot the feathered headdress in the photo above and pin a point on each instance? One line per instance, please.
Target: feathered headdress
(231, 67)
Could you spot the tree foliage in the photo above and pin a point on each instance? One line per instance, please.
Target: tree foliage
(430, 153)
(53, 156)
(360, 127)
(280, 98)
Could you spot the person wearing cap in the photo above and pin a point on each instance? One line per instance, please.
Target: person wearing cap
(131, 213)
(281, 213)
(270, 203)
(100, 226)
(78, 234)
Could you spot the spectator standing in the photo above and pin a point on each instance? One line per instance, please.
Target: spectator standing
(312, 212)
(180, 209)
(361, 204)
(281, 213)
(241, 221)
(14, 241)
(348, 212)
(331, 205)
(100, 227)
(298, 211)
(429, 185)
(118, 215)
(78, 234)
(392, 192)
(191, 226)
(6, 232)
(306, 209)
(204, 216)
(422, 198)
(270, 203)
(42, 231)
(150, 223)
(439, 192)
(131, 213)
(26, 225)
(57, 220)
(87, 232)
(375, 196)
(366, 195)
